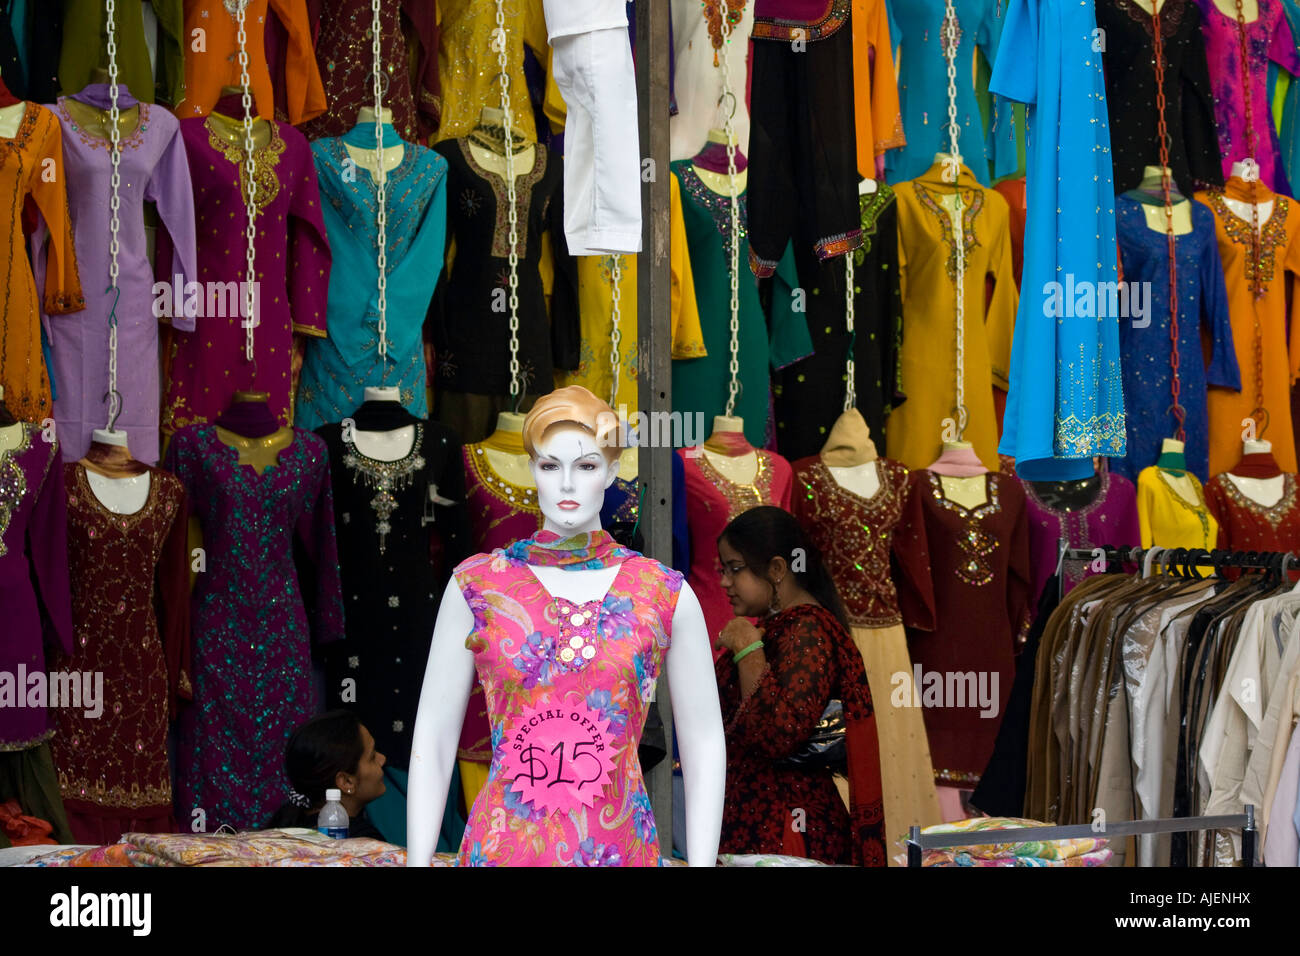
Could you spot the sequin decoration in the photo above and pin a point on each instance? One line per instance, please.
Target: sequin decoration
(13, 481)
(975, 542)
(972, 203)
(384, 477)
(266, 185)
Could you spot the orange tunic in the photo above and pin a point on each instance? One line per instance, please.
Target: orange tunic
(216, 63)
(1270, 379)
(32, 164)
(877, 118)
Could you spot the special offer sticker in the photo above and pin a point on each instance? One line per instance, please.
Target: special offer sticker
(560, 756)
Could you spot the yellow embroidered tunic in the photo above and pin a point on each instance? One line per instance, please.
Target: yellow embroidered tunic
(1168, 519)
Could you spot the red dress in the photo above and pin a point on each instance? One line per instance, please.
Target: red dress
(1246, 525)
(811, 660)
(131, 617)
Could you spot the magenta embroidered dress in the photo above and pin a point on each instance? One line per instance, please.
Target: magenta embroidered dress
(206, 367)
(568, 685)
(1268, 39)
(153, 169)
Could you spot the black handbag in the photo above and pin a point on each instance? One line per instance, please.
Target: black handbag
(825, 748)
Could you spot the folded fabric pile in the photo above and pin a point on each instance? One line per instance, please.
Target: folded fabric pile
(1090, 851)
(251, 848)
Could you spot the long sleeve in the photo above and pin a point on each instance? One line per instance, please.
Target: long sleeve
(172, 588)
(171, 189)
(566, 329)
(788, 338)
(47, 546)
(889, 306)
(1000, 320)
(308, 268)
(427, 89)
(1293, 267)
(1282, 46)
(1200, 135)
(687, 334)
(910, 561)
(877, 118)
(1146, 503)
(322, 585)
(1215, 320)
(1020, 580)
(62, 293)
(303, 89)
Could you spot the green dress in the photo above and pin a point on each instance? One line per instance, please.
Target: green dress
(84, 48)
(701, 384)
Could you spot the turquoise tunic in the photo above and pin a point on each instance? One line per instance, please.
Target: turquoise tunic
(337, 370)
(1066, 402)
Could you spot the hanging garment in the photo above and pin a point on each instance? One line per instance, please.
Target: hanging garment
(152, 168)
(1268, 37)
(30, 35)
(803, 154)
(856, 538)
(1131, 94)
(805, 400)
(345, 59)
(711, 502)
(698, 52)
(468, 67)
(1202, 313)
(927, 255)
(33, 584)
(337, 370)
(1109, 519)
(217, 64)
(515, 656)
(923, 87)
(591, 63)
(1259, 333)
(595, 301)
(878, 121)
(1167, 518)
(471, 321)
(810, 662)
(396, 546)
(156, 77)
(131, 624)
(965, 631)
(37, 148)
(1066, 400)
(700, 385)
(1288, 125)
(252, 631)
(1247, 525)
(292, 266)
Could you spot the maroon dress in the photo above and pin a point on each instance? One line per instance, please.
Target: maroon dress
(131, 620)
(971, 622)
(1247, 525)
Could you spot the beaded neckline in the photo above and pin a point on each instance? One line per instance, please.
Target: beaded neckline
(519, 497)
(385, 477)
(13, 480)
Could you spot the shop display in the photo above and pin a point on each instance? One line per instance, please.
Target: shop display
(150, 42)
(1171, 505)
(1255, 504)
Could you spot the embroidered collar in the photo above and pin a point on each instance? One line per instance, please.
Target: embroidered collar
(586, 551)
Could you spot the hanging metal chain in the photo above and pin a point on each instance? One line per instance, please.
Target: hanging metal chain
(850, 367)
(729, 125)
(114, 205)
(1175, 382)
(1257, 285)
(250, 188)
(499, 40)
(381, 180)
(949, 40)
(615, 334)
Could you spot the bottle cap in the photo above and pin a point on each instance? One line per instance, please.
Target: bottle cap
(334, 795)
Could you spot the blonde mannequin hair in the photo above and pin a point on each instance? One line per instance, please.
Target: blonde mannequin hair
(573, 405)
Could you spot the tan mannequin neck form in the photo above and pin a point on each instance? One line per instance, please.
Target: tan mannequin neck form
(969, 492)
(737, 469)
(1249, 9)
(10, 118)
(495, 162)
(720, 183)
(1262, 491)
(10, 435)
(510, 466)
(368, 159)
(1155, 214)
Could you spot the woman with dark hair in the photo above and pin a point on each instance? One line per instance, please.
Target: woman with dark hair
(332, 751)
(775, 686)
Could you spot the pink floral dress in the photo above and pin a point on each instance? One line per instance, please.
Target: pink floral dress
(567, 686)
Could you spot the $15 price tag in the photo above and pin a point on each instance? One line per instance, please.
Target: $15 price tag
(560, 756)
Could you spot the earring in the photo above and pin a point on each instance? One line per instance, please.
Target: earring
(774, 605)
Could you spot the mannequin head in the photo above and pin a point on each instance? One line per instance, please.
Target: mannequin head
(572, 442)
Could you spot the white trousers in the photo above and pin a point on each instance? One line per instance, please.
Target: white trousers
(602, 156)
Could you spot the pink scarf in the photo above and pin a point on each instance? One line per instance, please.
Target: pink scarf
(958, 463)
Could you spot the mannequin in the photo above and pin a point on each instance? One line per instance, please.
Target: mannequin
(512, 465)
(487, 145)
(1172, 509)
(231, 127)
(368, 159)
(1249, 10)
(962, 474)
(119, 481)
(1152, 188)
(95, 121)
(389, 445)
(1264, 491)
(1174, 466)
(711, 164)
(249, 427)
(1249, 172)
(571, 472)
(850, 455)
(729, 452)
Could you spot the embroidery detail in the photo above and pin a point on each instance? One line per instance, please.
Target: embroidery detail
(516, 496)
(818, 28)
(975, 541)
(741, 497)
(13, 481)
(266, 185)
(1273, 234)
(1200, 511)
(713, 16)
(870, 208)
(384, 477)
(1274, 514)
(947, 42)
(972, 206)
(524, 183)
(99, 142)
(719, 206)
(1171, 15)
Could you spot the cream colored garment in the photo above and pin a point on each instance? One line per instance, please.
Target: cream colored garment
(1264, 769)
(849, 442)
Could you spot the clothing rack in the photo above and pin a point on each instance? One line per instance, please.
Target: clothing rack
(1187, 559)
(918, 842)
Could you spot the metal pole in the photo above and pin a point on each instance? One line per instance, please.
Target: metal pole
(654, 373)
(1248, 835)
(914, 847)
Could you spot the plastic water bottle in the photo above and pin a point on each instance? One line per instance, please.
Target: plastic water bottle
(333, 819)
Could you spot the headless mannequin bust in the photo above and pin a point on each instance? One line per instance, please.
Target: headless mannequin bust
(1155, 213)
(117, 489)
(259, 452)
(10, 118)
(970, 492)
(96, 122)
(368, 159)
(1240, 208)
(1150, 6)
(1181, 483)
(1068, 495)
(493, 161)
(384, 446)
(1249, 9)
(231, 129)
(513, 467)
(563, 473)
(1263, 491)
(863, 480)
(738, 469)
(720, 183)
(948, 200)
(850, 455)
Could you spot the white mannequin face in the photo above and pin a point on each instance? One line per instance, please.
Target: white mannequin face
(571, 476)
